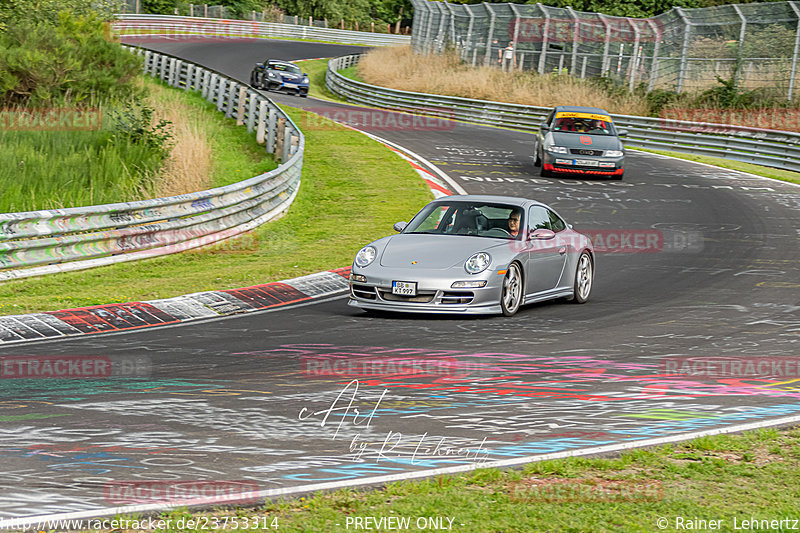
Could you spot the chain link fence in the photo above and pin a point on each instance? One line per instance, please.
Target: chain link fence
(754, 45)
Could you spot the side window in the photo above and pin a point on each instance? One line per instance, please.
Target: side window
(556, 223)
(549, 118)
(538, 218)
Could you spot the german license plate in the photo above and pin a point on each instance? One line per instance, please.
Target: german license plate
(586, 162)
(290, 85)
(404, 288)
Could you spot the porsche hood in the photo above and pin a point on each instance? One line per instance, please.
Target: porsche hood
(433, 251)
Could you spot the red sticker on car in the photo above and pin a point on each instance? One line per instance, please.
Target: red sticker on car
(586, 140)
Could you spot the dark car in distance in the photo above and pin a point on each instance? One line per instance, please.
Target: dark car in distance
(276, 75)
(576, 140)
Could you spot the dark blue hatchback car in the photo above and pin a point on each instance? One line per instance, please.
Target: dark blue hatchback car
(276, 75)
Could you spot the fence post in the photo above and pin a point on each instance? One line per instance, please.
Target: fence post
(515, 40)
(545, 37)
(654, 62)
(632, 65)
(189, 77)
(604, 66)
(687, 32)
(796, 51)
(739, 47)
(469, 34)
(575, 30)
(490, 36)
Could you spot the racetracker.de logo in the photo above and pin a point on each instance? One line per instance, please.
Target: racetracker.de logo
(334, 365)
(50, 119)
(128, 492)
(428, 119)
(73, 366)
(732, 367)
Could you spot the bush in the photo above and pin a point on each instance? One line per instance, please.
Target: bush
(68, 62)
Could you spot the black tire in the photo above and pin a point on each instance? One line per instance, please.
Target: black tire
(584, 278)
(545, 173)
(512, 292)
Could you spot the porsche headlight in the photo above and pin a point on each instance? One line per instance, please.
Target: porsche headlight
(478, 263)
(271, 74)
(305, 79)
(558, 149)
(613, 153)
(366, 256)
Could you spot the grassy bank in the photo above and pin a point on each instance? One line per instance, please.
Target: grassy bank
(753, 475)
(342, 204)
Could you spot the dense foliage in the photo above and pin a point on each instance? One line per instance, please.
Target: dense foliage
(59, 53)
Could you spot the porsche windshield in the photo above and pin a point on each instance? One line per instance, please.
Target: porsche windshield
(284, 67)
(468, 218)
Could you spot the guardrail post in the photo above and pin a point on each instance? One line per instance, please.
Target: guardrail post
(287, 143)
(261, 127)
(190, 81)
(240, 111)
(231, 94)
(272, 127)
(206, 87)
(251, 113)
(212, 87)
(279, 137)
(222, 83)
(148, 62)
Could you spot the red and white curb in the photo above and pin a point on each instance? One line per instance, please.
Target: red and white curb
(138, 315)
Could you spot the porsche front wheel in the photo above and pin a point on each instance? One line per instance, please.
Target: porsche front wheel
(584, 277)
(511, 295)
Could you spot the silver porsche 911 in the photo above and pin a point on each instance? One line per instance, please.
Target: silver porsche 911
(474, 254)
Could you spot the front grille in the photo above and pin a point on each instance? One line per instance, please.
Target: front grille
(455, 298)
(364, 291)
(584, 151)
(422, 297)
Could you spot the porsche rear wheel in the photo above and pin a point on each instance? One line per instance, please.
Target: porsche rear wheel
(511, 296)
(584, 277)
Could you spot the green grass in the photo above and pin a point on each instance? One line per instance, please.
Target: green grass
(767, 172)
(55, 169)
(316, 69)
(727, 477)
(235, 153)
(353, 190)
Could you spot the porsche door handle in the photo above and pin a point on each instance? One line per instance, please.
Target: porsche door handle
(562, 250)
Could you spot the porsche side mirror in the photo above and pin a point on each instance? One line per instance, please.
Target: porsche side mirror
(542, 234)
(400, 226)
(622, 132)
(544, 127)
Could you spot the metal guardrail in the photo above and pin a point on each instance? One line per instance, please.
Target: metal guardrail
(773, 148)
(176, 27)
(43, 242)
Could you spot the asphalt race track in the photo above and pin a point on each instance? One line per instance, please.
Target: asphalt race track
(323, 393)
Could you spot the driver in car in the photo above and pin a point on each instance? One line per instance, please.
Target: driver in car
(513, 224)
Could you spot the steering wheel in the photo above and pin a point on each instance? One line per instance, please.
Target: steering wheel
(505, 231)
